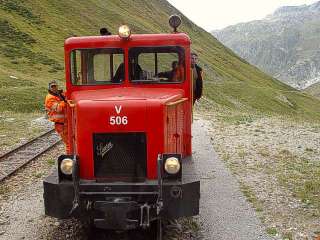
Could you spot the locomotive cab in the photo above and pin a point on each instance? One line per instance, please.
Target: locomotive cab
(129, 121)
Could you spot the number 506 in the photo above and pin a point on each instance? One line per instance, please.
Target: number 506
(118, 120)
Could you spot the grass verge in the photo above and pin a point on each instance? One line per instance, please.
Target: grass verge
(17, 128)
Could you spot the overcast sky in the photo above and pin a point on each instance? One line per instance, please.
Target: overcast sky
(217, 14)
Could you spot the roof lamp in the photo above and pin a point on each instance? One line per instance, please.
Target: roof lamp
(175, 22)
(124, 31)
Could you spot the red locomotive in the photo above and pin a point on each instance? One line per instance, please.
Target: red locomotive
(129, 117)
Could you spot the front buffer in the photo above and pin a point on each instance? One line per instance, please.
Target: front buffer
(121, 205)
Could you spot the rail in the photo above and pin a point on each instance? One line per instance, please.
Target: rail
(13, 160)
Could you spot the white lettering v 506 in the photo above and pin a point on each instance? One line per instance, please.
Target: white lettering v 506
(118, 109)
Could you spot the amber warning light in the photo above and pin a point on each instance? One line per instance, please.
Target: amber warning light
(124, 32)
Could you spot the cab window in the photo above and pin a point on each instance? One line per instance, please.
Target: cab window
(97, 66)
(157, 64)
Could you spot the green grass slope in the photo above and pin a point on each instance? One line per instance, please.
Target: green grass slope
(32, 33)
(314, 90)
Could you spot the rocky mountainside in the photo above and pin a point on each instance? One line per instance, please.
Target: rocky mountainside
(285, 44)
(314, 90)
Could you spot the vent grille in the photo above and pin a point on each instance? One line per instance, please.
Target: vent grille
(120, 157)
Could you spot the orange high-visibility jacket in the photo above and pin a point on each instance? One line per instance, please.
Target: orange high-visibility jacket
(55, 108)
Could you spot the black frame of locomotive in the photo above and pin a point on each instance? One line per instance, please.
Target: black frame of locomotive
(123, 205)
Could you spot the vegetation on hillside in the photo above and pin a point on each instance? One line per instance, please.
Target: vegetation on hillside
(31, 43)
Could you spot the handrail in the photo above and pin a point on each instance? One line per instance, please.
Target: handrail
(71, 103)
(177, 102)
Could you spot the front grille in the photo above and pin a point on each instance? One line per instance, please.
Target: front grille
(120, 157)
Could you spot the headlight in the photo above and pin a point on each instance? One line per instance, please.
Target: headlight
(66, 166)
(124, 31)
(172, 165)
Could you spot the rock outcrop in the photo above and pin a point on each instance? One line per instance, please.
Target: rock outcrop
(285, 44)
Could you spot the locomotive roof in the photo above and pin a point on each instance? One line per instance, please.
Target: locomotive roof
(135, 40)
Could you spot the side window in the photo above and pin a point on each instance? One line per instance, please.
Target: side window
(146, 62)
(101, 66)
(118, 67)
(75, 67)
(97, 66)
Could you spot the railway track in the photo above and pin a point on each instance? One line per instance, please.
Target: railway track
(18, 157)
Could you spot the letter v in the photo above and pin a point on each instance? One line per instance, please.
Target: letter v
(118, 109)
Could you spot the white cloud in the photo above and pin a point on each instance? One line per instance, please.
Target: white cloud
(216, 14)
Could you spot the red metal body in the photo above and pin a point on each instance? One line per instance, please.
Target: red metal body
(162, 111)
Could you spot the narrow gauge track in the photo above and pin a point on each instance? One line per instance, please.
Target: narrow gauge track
(18, 157)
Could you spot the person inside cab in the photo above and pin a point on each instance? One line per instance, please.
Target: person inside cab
(55, 105)
(197, 77)
(136, 72)
(119, 75)
(176, 74)
(169, 74)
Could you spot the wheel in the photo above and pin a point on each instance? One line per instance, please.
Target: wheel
(156, 229)
(95, 233)
(159, 229)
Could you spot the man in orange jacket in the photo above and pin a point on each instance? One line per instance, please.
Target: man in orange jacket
(55, 104)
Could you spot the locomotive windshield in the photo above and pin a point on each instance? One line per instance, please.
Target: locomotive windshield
(146, 65)
(157, 64)
(97, 66)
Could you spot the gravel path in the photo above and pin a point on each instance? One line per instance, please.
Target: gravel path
(23, 214)
(277, 161)
(224, 212)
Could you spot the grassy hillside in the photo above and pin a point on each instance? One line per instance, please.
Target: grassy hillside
(31, 49)
(314, 90)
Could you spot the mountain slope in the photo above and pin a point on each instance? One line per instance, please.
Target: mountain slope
(314, 90)
(31, 49)
(284, 44)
